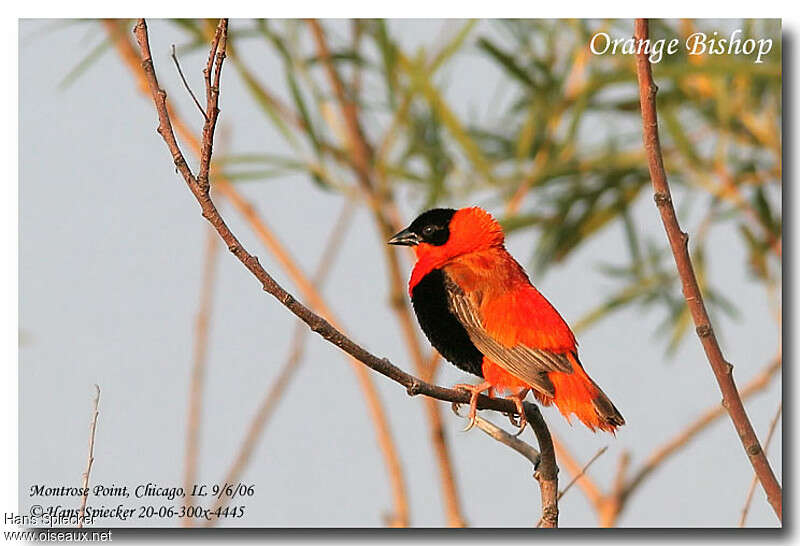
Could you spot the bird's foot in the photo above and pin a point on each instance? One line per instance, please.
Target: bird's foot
(475, 391)
(521, 420)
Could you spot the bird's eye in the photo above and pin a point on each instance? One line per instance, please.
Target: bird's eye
(428, 230)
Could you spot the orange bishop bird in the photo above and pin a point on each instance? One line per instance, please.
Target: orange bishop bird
(478, 308)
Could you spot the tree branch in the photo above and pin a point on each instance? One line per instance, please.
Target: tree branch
(584, 481)
(670, 447)
(90, 457)
(212, 74)
(493, 431)
(318, 324)
(609, 505)
(754, 482)
(226, 189)
(578, 476)
(678, 240)
(545, 470)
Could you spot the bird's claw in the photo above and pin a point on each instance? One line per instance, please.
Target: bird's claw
(474, 391)
(471, 424)
(521, 421)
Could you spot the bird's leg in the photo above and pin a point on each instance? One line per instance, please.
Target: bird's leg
(475, 391)
(518, 398)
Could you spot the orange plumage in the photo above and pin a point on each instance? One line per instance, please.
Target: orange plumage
(479, 309)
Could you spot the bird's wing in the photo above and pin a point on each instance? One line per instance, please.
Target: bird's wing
(521, 359)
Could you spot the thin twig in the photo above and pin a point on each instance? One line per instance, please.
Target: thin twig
(90, 457)
(197, 379)
(212, 73)
(678, 240)
(186, 84)
(543, 473)
(578, 475)
(523, 448)
(584, 481)
(582, 471)
(752, 488)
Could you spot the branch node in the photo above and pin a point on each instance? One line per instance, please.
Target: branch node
(414, 388)
(662, 199)
(177, 159)
(704, 330)
(147, 66)
(754, 450)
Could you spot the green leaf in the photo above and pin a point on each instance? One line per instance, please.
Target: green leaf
(507, 62)
(421, 80)
(90, 58)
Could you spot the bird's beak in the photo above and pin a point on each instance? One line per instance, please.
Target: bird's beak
(405, 238)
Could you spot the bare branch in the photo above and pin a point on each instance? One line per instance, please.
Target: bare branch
(584, 481)
(523, 448)
(212, 99)
(545, 470)
(752, 488)
(678, 240)
(609, 505)
(547, 474)
(227, 190)
(670, 447)
(90, 457)
(578, 475)
(582, 471)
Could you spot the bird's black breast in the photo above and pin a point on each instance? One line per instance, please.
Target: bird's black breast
(444, 331)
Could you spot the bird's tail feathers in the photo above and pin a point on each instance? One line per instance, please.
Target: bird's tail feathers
(576, 394)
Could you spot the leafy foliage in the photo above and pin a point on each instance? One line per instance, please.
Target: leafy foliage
(560, 152)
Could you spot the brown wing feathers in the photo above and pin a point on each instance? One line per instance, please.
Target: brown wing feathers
(528, 364)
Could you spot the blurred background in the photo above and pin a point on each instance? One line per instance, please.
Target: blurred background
(331, 135)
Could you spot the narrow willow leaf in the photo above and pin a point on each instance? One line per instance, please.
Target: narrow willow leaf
(90, 58)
